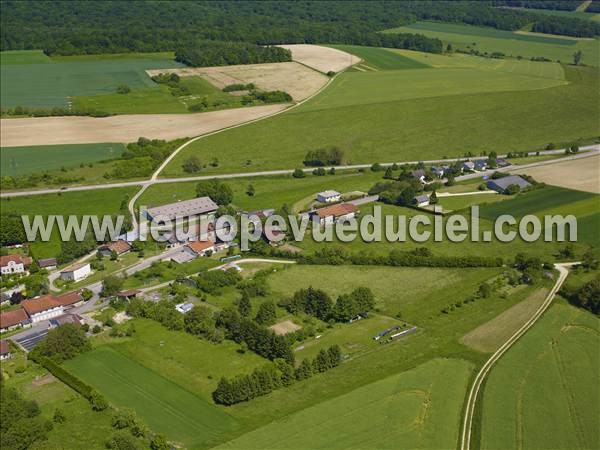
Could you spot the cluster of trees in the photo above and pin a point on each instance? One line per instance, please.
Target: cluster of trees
(21, 423)
(279, 374)
(219, 192)
(35, 179)
(211, 282)
(566, 26)
(62, 343)
(257, 337)
(141, 158)
(11, 230)
(172, 81)
(163, 312)
(401, 191)
(330, 156)
(219, 53)
(28, 111)
(586, 296)
(239, 87)
(316, 302)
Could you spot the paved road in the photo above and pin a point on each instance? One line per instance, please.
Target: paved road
(483, 372)
(585, 152)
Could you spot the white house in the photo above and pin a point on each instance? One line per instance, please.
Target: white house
(184, 307)
(10, 264)
(76, 272)
(4, 350)
(42, 308)
(422, 200)
(334, 213)
(329, 196)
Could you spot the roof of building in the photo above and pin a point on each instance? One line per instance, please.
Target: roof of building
(419, 173)
(74, 267)
(47, 262)
(329, 193)
(185, 208)
(11, 318)
(184, 307)
(117, 246)
(272, 230)
(183, 256)
(505, 182)
(262, 213)
(422, 198)
(4, 348)
(70, 298)
(39, 304)
(128, 293)
(470, 164)
(200, 246)
(16, 258)
(480, 163)
(341, 209)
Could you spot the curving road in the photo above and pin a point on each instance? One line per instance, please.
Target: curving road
(467, 428)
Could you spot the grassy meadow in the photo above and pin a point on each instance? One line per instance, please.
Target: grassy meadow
(412, 114)
(543, 392)
(514, 44)
(375, 58)
(30, 78)
(163, 405)
(411, 410)
(41, 158)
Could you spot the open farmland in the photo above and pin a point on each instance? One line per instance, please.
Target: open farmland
(541, 393)
(370, 119)
(296, 79)
(127, 128)
(411, 410)
(24, 160)
(323, 59)
(467, 37)
(581, 174)
(166, 407)
(33, 79)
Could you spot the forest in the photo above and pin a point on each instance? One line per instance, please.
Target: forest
(219, 53)
(81, 27)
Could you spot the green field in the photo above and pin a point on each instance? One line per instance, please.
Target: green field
(410, 410)
(457, 203)
(158, 99)
(166, 407)
(373, 116)
(467, 37)
(25, 160)
(544, 391)
(375, 58)
(32, 79)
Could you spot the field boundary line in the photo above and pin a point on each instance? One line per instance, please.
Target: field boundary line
(467, 427)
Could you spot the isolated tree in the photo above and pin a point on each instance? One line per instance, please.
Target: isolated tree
(123, 89)
(192, 165)
(59, 416)
(450, 180)
(389, 173)
(244, 305)
(298, 173)
(250, 190)
(433, 198)
(114, 255)
(577, 57)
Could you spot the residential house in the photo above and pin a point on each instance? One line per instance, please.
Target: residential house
(439, 171)
(9, 320)
(202, 206)
(129, 237)
(329, 196)
(480, 165)
(76, 272)
(4, 350)
(184, 307)
(48, 263)
(501, 184)
(419, 175)
(70, 299)
(421, 200)
(16, 263)
(468, 166)
(501, 162)
(273, 234)
(119, 247)
(42, 308)
(201, 248)
(334, 213)
(183, 256)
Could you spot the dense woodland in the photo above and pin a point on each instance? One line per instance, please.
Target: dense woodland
(81, 27)
(557, 5)
(219, 53)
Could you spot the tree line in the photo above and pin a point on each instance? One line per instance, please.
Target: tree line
(587, 296)
(220, 53)
(266, 379)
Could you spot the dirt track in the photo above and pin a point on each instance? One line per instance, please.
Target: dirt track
(126, 128)
(581, 174)
(295, 79)
(323, 59)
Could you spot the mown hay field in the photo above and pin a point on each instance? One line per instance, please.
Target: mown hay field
(543, 392)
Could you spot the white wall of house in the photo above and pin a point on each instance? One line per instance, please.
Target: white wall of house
(48, 314)
(6, 356)
(328, 199)
(77, 274)
(12, 267)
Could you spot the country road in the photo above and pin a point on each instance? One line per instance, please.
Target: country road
(467, 428)
(590, 150)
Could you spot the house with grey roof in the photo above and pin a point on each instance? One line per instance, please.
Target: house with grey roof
(501, 184)
(468, 165)
(480, 164)
(201, 206)
(329, 196)
(421, 200)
